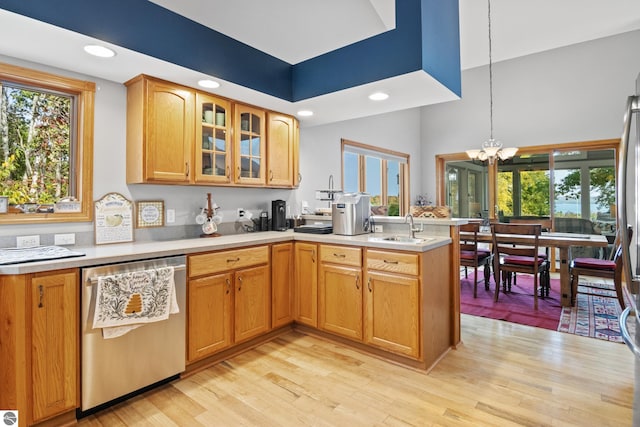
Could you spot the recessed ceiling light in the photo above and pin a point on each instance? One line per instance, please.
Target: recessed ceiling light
(208, 83)
(305, 113)
(100, 51)
(378, 96)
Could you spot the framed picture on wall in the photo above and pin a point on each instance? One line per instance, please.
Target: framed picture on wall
(150, 213)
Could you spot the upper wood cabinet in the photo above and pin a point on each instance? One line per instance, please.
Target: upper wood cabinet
(160, 131)
(213, 151)
(178, 135)
(281, 149)
(249, 144)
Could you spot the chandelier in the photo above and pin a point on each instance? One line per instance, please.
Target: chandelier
(491, 149)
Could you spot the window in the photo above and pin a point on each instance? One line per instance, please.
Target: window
(575, 180)
(383, 174)
(46, 145)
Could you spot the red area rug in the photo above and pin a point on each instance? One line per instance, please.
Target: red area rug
(515, 306)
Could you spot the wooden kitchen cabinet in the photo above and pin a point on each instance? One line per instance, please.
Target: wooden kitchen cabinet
(213, 151)
(39, 345)
(209, 315)
(340, 291)
(392, 302)
(249, 145)
(160, 131)
(54, 343)
(229, 299)
(281, 284)
(306, 283)
(252, 302)
(281, 150)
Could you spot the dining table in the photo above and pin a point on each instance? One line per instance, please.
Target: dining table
(562, 241)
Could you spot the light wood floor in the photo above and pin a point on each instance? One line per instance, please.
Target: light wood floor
(503, 375)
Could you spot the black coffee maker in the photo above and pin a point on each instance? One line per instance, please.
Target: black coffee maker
(279, 215)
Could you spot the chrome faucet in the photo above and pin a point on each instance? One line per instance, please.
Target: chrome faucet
(412, 229)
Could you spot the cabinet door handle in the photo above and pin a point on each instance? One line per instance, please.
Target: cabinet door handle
(369, 284)
(299, 177)
(239, 283)
(41, 292)
(389, 262)
(236, 259)
(270, 175)
(228, 172)
(313, 255)
(186, 165)
(228, 285)
(339, 255)
(238, 172)
(358, 282)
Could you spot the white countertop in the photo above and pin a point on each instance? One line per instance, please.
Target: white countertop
(133, 251)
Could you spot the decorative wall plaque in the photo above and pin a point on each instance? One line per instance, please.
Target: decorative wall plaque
(113, 219)
(150, 214)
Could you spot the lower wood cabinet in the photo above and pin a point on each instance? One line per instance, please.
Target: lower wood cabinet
(392, 313)
(282, 284)
(39, 344)
(306, 283)
(54, 343)
(229, 299)
(340, 291)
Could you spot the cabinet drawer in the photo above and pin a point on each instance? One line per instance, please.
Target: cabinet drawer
(341, 255)
(394, 262)
(216, 262)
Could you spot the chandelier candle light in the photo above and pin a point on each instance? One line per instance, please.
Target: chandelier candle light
(491, 149)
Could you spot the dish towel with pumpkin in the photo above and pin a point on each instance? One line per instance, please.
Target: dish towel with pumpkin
(127, 301)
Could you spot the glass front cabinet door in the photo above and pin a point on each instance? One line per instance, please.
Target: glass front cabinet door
(249, 127)
(213, 140)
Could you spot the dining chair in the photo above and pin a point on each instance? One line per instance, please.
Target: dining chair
(548, 253)
(516, 250)
(472, 256)
(604, 268)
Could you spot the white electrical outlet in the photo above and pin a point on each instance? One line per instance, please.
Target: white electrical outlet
(377, 229)
(240, 212)
(171, 216)
(64, 239)
(27, 241)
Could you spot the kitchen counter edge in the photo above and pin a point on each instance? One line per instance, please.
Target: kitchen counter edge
(135, 251)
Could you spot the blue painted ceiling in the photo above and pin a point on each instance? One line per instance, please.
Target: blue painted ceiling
(426, 38)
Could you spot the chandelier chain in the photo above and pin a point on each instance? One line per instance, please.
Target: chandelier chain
(490, 74)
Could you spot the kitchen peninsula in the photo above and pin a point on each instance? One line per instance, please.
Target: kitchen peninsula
(390, 299)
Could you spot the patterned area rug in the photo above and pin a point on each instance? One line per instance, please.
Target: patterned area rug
(595, 314)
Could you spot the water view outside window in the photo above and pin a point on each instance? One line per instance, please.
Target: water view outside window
(35, 145)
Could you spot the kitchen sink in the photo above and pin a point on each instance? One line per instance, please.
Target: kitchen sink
(400, 239)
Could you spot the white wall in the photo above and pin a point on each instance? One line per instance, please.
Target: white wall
(569, 94)
(575, 93)
(320, 149)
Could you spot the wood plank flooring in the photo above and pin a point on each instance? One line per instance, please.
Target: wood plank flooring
(504, 374)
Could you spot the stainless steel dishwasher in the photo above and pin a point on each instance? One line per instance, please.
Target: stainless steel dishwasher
(116, 368)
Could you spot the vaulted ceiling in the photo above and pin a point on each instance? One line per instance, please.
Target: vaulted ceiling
(294, 31)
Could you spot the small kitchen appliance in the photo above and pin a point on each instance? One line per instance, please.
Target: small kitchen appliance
(279, 215)
(350, 214)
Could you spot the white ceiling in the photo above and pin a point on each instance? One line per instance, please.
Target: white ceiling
(295, 30)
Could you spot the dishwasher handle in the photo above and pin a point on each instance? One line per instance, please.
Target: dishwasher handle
(93, 280)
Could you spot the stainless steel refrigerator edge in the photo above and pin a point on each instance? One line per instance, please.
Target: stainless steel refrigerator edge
(112, 368)
(628, 181)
